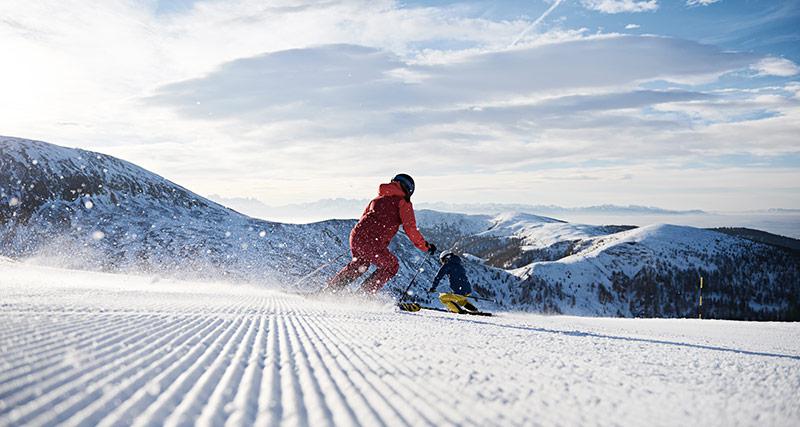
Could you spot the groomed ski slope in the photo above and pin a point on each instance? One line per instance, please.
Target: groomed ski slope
(81, 348)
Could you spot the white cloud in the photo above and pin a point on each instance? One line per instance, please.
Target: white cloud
(780, 67)
(338, 79)
(700, 2)
(621, 6)
(632, 26)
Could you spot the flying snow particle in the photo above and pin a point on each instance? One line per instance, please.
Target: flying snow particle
(227, 234)
(98, 235)
(245, 246)
(88, 204)
(262, 233)
(35, 162)
(13, 202)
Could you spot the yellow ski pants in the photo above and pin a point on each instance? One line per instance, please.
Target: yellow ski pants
(455, 302)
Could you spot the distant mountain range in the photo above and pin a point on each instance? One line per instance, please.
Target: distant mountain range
(352, 208)
(778, 221)
(87, 210)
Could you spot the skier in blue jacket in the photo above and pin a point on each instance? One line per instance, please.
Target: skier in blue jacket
(457, 300)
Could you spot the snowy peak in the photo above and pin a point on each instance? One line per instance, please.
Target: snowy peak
(89, 210)
(510, 219)
(664, 239)
(35, 173)
(508, 240)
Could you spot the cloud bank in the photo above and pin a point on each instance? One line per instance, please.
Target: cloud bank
(296, 101)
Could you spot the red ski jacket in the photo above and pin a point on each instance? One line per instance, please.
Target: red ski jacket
(383, 217)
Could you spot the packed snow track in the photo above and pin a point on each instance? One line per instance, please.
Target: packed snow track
(80, 348)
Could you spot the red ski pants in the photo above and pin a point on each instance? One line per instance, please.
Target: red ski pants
(384, 260)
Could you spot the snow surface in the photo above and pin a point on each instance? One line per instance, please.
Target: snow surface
(84, 348)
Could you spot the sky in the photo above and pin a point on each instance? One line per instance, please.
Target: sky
(682, 104)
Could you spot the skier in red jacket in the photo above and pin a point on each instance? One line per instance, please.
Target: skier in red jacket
(369, 240)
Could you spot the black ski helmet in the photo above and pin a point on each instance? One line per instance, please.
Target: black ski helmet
(444, 256)
(406, 182)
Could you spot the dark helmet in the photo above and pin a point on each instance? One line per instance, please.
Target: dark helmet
(445, 256)
(406, 182)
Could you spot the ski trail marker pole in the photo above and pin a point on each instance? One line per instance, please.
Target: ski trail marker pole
(317, 270)
(700, 306)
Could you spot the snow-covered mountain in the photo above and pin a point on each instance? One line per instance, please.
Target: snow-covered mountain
(651, 271)
(509, 240)
(87, 210)
(655, 271)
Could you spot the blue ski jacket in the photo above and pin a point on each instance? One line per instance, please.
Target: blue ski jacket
(457, 275)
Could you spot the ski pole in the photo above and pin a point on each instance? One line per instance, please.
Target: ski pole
(302, 279)
(482, 298)
(417, 268)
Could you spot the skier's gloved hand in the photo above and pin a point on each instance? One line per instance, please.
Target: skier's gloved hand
(431, 249)
(432, 289)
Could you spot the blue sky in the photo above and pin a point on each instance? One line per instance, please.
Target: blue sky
(679, 104)
(768, 27)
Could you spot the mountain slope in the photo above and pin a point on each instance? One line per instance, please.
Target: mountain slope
(654, 271)
(96, 211)
(508, 240)
(787, 243)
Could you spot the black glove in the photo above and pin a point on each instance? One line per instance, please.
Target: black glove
(431, 248)
(432, 289)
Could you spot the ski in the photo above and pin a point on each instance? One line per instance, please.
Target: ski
(414, 307)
